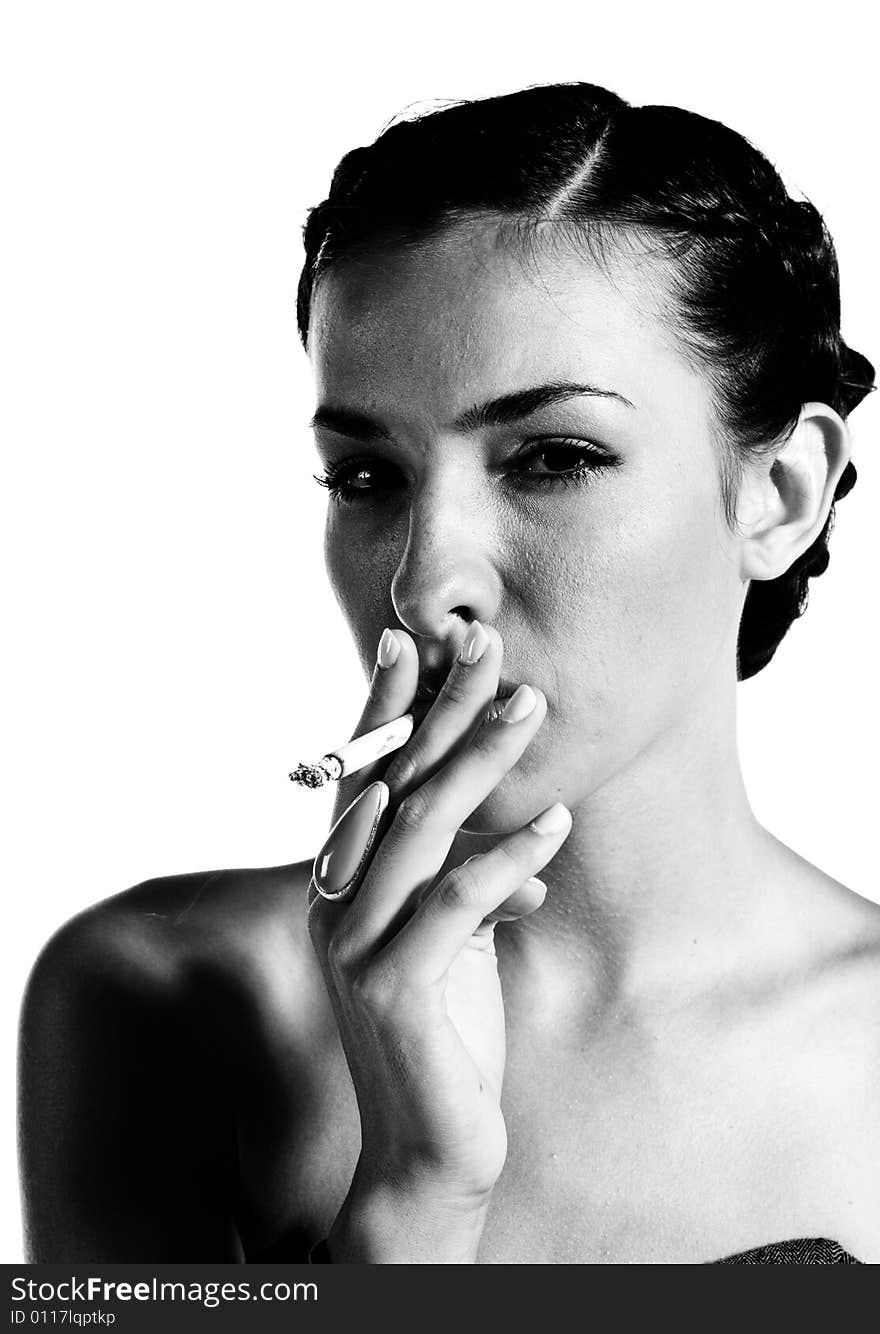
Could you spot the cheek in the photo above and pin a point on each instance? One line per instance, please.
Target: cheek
(637, 598)
(680, 588)
(360, 576)
(632, 612)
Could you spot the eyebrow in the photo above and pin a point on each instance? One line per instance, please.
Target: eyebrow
(503, 411)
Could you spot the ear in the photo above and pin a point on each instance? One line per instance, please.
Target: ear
(784, 498)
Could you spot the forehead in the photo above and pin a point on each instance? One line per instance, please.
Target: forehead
(478, 311)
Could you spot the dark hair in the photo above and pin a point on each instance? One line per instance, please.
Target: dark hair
(754, 272)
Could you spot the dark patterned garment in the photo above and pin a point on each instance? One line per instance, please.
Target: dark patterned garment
(804, 1251)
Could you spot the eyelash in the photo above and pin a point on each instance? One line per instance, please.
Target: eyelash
(591, 462)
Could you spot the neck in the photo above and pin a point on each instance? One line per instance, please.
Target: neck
(661, 886)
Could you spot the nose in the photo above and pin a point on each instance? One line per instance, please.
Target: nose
(447, 573)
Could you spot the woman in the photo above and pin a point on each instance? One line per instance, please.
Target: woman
(582, 402)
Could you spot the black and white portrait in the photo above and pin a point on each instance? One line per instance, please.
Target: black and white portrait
(441, 515)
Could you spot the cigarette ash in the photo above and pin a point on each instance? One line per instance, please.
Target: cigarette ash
(316, 775)
(309, 775)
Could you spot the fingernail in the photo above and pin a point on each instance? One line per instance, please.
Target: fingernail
(389, 649)
(346, 847)
(520, 705)
(552, 821)
(538, 884)
(474, 644)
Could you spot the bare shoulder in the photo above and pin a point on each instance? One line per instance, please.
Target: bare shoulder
(241, 930)
(821, 988)
(826, 932)
(838, 954)
(164, 925)
(845, 927)
(838, 1023)
(143, 1022)
(833, 989)
(848, 982)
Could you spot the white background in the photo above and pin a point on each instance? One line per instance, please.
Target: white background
(172, 645)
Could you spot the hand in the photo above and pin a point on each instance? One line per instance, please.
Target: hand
(410, 965)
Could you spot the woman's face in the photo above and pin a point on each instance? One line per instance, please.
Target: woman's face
(481, 479)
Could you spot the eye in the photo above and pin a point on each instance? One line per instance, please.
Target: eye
(568, 462)
(353, 480)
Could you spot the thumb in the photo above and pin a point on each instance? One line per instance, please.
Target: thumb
(525, 899)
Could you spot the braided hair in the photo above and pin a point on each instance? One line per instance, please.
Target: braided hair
(753, 272)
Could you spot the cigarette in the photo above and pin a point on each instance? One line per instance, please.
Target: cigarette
(354, 755)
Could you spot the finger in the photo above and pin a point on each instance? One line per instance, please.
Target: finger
(323, 917)
(427, 945)
(392, 689)
(417, 842)
(322, 921)
(454, 715)
(525, 899)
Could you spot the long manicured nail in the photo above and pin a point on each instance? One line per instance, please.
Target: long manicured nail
(389, 649)
(520, 705)
(346, 848)
(474, 644)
